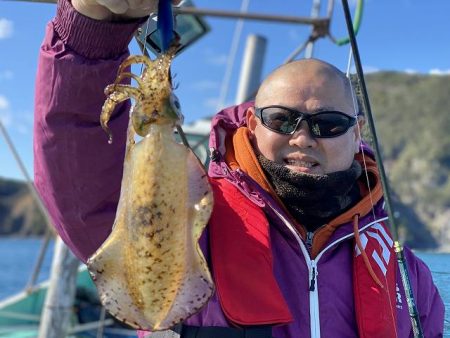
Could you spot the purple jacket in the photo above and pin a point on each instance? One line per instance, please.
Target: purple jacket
(78, 175)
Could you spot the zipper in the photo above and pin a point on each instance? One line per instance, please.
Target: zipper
(309, 239)
(312, 277)
(312, 267)
(314, 300)
(313, 273)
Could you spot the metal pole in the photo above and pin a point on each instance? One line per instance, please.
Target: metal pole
(251, 68)
(233, 15)
(315, 11)
(58, 307)
(39, 260)
(251, 16)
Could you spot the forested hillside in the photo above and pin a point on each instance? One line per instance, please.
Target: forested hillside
(19, 214)
(412, 116)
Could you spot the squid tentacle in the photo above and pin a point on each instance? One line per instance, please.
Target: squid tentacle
(117, 94)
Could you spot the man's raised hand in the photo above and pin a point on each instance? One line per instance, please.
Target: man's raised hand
(116, 10)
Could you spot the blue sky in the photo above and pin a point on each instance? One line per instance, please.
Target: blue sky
(400, 35)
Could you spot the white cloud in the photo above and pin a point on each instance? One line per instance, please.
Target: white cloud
(21, 122)
(6, 75)
(205, 85)
(4, 103)
(214, 58)
(5, 114)
(436, 71)
(5, 118)
(14, 124)
(411, 71)
(6, 28)
(217, 60)
(366, 69)
(370, 69)
(211, 103)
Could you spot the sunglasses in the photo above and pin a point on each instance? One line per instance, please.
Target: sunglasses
(325, 124)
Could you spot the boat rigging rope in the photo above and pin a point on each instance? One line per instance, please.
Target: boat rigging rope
(40, 205)
(356, 24)
(357, 113)
(412, 308)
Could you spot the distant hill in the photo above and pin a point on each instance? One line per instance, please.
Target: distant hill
(19, 214)
(412, 116)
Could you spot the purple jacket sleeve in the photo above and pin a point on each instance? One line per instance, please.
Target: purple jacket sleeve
(77, 172)
(429, 303)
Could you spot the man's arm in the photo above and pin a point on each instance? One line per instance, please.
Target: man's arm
(77, 173)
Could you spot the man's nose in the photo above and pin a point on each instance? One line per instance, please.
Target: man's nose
(302, 137)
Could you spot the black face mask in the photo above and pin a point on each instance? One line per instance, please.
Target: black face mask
(314, 200)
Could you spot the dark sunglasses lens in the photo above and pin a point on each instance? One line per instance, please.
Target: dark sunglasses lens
(279, 119)
(330, 124)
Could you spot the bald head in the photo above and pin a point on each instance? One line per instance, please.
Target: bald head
(308, 86)
(302, 79)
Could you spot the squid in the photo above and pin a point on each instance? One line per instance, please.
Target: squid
(150, 272)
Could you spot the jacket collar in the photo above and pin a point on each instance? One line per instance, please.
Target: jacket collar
(224, 126)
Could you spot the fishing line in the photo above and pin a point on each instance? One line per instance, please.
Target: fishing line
(162, 29)
(144, 44)
(355, 108)
(355, 105)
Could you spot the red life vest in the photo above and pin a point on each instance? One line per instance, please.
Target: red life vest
(243, 268)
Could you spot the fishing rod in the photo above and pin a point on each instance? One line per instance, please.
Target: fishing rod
(412, 307)
(165, 29)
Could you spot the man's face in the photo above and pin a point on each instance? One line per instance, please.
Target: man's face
(301, 152)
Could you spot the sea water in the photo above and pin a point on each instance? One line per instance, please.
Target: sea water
(18, 258)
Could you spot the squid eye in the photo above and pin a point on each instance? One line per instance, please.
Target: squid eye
(176, 107)
(175, 103)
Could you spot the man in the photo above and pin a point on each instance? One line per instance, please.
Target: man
(297, 242)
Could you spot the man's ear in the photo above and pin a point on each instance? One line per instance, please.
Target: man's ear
(361, 121)
(251, 119)
(358, 132)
